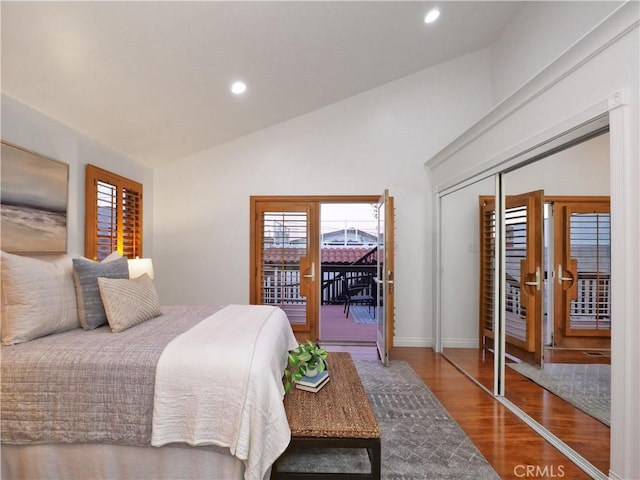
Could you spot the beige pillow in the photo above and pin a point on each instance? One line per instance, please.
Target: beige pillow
(128, 302)
(38, 299)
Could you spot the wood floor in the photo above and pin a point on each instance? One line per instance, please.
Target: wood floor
(583, 433)
(513, 449)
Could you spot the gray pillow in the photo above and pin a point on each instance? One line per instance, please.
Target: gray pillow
(85, 275)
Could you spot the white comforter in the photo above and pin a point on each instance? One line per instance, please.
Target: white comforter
(220, 383)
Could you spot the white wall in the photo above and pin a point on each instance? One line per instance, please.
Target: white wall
(30, 129)
(583, 169)
(460, 264)
(376, 140)
(537, 34)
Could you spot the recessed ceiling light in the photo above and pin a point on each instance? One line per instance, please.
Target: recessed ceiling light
(432, 16)
(238, 88)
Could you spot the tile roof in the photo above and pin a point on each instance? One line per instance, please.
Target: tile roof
(343, 255)
(329, 255)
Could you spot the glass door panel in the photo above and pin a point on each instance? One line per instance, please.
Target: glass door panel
(287, 266)
(583, 274)
(590, 248)
(284, 247)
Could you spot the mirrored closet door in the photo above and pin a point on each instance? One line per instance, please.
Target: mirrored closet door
(467, 220)
(555, 363)
(561, 377)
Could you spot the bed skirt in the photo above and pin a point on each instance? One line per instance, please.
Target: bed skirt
(102, 461)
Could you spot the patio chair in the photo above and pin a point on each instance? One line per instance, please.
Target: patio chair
(354, 295)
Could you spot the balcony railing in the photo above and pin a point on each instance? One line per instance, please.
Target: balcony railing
(332, 284)
(282, 286)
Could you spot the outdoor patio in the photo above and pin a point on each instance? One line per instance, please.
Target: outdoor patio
(335, 327)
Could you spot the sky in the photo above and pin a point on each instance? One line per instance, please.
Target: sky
(335, 216)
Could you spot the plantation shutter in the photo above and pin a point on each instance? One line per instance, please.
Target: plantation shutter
(113, 214)
(284, 246)
(487, 259)
(284, 257)
(105, 237)
(131, 222)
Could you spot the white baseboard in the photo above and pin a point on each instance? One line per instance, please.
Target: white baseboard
(413, 342)
(430, 342)
(613, 476)
(459, 343)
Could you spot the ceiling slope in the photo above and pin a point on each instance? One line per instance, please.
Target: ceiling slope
(151, 79)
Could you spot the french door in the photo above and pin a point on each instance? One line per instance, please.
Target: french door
(285, 268)
(577, 278)
(384, 276)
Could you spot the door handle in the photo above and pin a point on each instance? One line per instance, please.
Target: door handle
(390, 276)
(378, 281)
(537, 282)
(561, 278)
(311, 275)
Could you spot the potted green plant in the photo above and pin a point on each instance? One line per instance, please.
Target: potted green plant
(307, 359)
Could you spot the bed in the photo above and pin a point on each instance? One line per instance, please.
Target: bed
(192, 392)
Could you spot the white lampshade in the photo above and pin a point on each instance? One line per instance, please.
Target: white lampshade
(140, 266)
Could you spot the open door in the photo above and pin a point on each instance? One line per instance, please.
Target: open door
(285, 257)
(524, 283)
(384, 277)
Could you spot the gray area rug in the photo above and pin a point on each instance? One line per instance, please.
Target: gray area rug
(585, 386)
(420, 440)
(362, 314)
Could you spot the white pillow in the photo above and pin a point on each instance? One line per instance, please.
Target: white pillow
(128, 301)
(38, 299)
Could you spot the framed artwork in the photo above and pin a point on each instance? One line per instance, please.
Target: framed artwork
(33, 194)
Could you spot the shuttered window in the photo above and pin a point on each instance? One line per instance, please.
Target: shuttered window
(113, 214)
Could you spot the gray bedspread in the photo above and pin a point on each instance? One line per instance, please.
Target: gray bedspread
(88, 385)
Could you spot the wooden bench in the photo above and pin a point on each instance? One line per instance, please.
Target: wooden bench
(338, 416)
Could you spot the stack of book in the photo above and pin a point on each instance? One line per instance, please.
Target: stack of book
(313, 384)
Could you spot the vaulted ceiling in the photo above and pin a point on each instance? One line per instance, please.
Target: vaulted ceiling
(151, 79)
